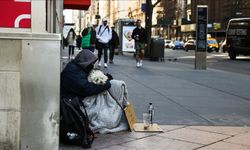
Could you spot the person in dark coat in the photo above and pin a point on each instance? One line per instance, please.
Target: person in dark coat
(74, 78)
(113, 44)
(92, 31)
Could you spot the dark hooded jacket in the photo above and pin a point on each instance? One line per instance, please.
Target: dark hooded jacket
(74, 78)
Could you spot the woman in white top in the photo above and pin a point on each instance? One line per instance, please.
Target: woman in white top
(71, 38)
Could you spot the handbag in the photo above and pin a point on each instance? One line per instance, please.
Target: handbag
(129, 113)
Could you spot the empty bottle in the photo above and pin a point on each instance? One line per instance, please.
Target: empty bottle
(151, 112)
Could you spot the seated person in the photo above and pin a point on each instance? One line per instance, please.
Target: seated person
(105, 115)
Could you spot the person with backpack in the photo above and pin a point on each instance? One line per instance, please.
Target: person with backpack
(113, 44)
(103, 36)
(74, 123)
(87, 107)
(89, 38)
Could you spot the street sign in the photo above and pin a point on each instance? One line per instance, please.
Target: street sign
(201, 37)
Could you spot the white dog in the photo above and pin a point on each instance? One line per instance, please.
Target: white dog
(97, 77)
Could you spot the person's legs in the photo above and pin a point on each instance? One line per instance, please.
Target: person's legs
(73, 49)
(99, 54)
(105, 48)
(137, 57)
(141, 55)
(137, 48)
(69, 52)
(111, 54)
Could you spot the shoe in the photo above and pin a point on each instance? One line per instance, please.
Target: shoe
(140, 63)
(137, 64)
(99, 64)
(111, 62)
(105, 65)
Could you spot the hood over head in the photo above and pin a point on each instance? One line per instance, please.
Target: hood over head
(85, 58)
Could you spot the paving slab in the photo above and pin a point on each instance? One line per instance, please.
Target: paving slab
(117, 147)
(222, 129)
(194, 136)
(160, 143)
(167, 128)
(243, 139)
(225, 146)
(107, 140)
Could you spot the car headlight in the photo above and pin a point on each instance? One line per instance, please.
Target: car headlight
(210, 46)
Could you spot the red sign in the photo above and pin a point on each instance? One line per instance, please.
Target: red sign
(15, 13)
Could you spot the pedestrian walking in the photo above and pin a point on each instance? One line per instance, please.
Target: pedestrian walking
(89, 37)
(113, 44)
(139, 35)
(71, 39)
(103, 36)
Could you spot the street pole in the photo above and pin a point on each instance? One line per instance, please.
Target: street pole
(201, 37)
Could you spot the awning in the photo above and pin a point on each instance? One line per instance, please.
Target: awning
(77, 4)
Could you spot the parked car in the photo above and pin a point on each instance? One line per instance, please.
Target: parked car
(212, 45)
(238, 37)
(167, 42)
(178, 45)
(190, 45)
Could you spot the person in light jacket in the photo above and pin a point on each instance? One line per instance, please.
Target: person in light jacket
(103, 36)
(71, 39)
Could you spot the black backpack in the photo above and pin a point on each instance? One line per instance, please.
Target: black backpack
(74, 124)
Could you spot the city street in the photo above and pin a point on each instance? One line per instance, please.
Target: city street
(215, 60)
(182, 95)
(197, 109)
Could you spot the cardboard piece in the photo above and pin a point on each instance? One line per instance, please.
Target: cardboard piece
(140, 127)
(130, 115)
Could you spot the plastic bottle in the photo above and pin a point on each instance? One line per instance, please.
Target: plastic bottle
(151, 112)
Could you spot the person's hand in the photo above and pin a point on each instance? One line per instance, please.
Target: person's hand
(146, 45)
(110, 77)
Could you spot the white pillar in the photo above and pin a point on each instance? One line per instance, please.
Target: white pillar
(38, 16)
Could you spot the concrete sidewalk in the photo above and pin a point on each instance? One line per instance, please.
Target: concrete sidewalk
(176, 138)
(198, 109)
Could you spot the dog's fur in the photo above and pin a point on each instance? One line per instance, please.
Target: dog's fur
(96, 76)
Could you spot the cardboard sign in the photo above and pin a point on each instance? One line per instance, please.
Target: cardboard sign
(15, 13)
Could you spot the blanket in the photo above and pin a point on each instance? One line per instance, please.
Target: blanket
(105, 115)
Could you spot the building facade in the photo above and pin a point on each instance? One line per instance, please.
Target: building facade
(181, 15)
(117, 9)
